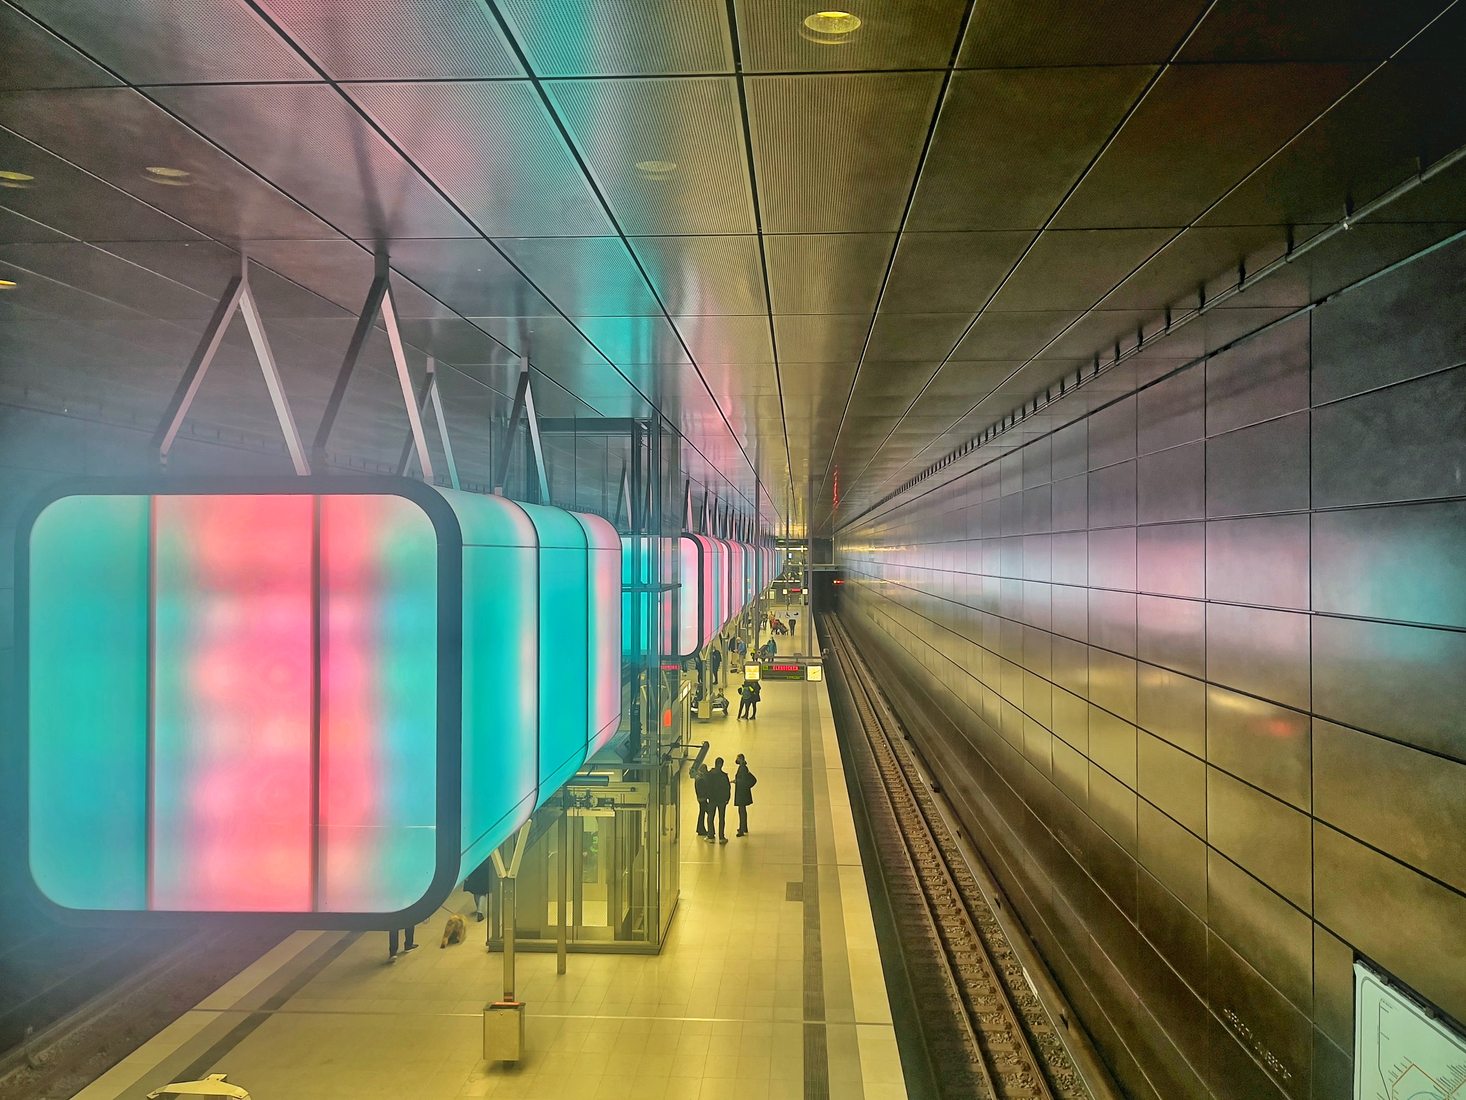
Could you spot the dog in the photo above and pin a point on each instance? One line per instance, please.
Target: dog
(455, 930)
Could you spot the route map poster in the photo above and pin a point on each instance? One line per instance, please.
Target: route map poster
(1401, 1052)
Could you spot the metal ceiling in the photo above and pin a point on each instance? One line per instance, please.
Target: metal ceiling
(825, 262)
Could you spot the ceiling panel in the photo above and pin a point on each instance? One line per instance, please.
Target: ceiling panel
(1011, 142)
(397, 39)
(1153, 175)
(667, 154)
(454, 340)
(468, 275)
(1012, 335)
(1307, 30)
(174, 41)
(493, 147)
(838, 153)
(950, 272)
(1200, 254)
(61, 194)
(547, 341)
(621, 37)
(826, 338)
(827, 383)
(116, 133)
(705, 276)
(634, 339)
(94, 271)
(310, 142)
(914, 34)
(341, 271)
(1031, 33)
(910, 336)
(727, 339)
(584, 276)
(827, 272)
(886, 384)
(1073, 269)
(33, 57)
(18, 229)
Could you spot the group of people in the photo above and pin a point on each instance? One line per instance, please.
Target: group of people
(713, 788)
(778, 626)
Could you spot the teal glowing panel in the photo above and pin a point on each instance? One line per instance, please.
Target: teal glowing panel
(564, 669)
(501, 697)
(233, 661)
(88, 701)
(378, 726)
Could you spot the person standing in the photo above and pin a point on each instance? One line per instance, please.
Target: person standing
(717, 662)
(745, 696)
(409, 945)
(758, 692)
(743, 782)
(704, 805)
(719, 790)
(478, 884)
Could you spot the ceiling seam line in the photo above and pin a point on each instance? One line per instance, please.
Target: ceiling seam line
(1193, 224)
(763, 257)
(931, 130)
(1114, 134)
(547, 103)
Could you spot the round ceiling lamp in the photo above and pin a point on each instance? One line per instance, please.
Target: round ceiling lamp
(830, 28)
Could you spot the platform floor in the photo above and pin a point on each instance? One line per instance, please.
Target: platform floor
(770, 984)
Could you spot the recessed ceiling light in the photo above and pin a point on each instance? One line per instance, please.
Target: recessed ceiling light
(17, 181)
(169, 177)
(7, 284)
(830, 28)
(656, 169)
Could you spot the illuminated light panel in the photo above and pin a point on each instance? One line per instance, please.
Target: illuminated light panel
(303, 724)
(830, 28)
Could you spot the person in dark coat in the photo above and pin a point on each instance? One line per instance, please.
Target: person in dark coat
(758, 693)
(478, 883)
(743, 781)
(704, 805)
(717, 663)
(719, 791)
(745, 696)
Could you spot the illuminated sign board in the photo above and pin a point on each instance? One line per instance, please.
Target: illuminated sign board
(321, 698)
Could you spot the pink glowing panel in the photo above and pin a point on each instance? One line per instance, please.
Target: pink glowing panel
(604, 667)
(378, 712)
(233, 634)
(689, 596)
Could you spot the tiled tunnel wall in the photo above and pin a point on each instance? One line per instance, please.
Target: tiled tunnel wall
(1193, 669)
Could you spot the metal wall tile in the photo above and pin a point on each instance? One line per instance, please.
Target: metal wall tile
(1112, 620)
(1263, 378)
(1112, 745)
(1259, 469)
(1266, 745)
(1263, 1021)
(1172, 780)
(816, 178)
(396, 40)
(1171, 485)
(1112, 806)
(1273, 937)
(1112, 496)
(1071, 503)
(1172, 706)
(1171, 412)
(1171, 633)
(1174, 856)
(1071, 719)
(1391, 329)
(1397, 444)
(1333, 986)
(920, 34)
(1112, 432)
(1174, 931)
(1395, 798)
(1401, 563)
(1266, 837)
(1393, 915)
(1071, 773)
(668, 154)
(1069, 556)
(1400, 681)
(1112, 558)
(621, 39)
(493, 147)
(185, 42)
(1263, 560)
(1171, 559)
(1070, 450)
(1112, 682)
(1258, 651)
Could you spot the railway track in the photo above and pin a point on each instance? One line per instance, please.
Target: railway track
(987, 1034)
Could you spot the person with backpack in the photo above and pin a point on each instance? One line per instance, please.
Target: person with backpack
(743, 783)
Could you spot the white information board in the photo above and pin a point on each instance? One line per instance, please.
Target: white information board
(1400, 1051)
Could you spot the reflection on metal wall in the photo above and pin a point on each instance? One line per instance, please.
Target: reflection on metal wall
(1194, 663)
